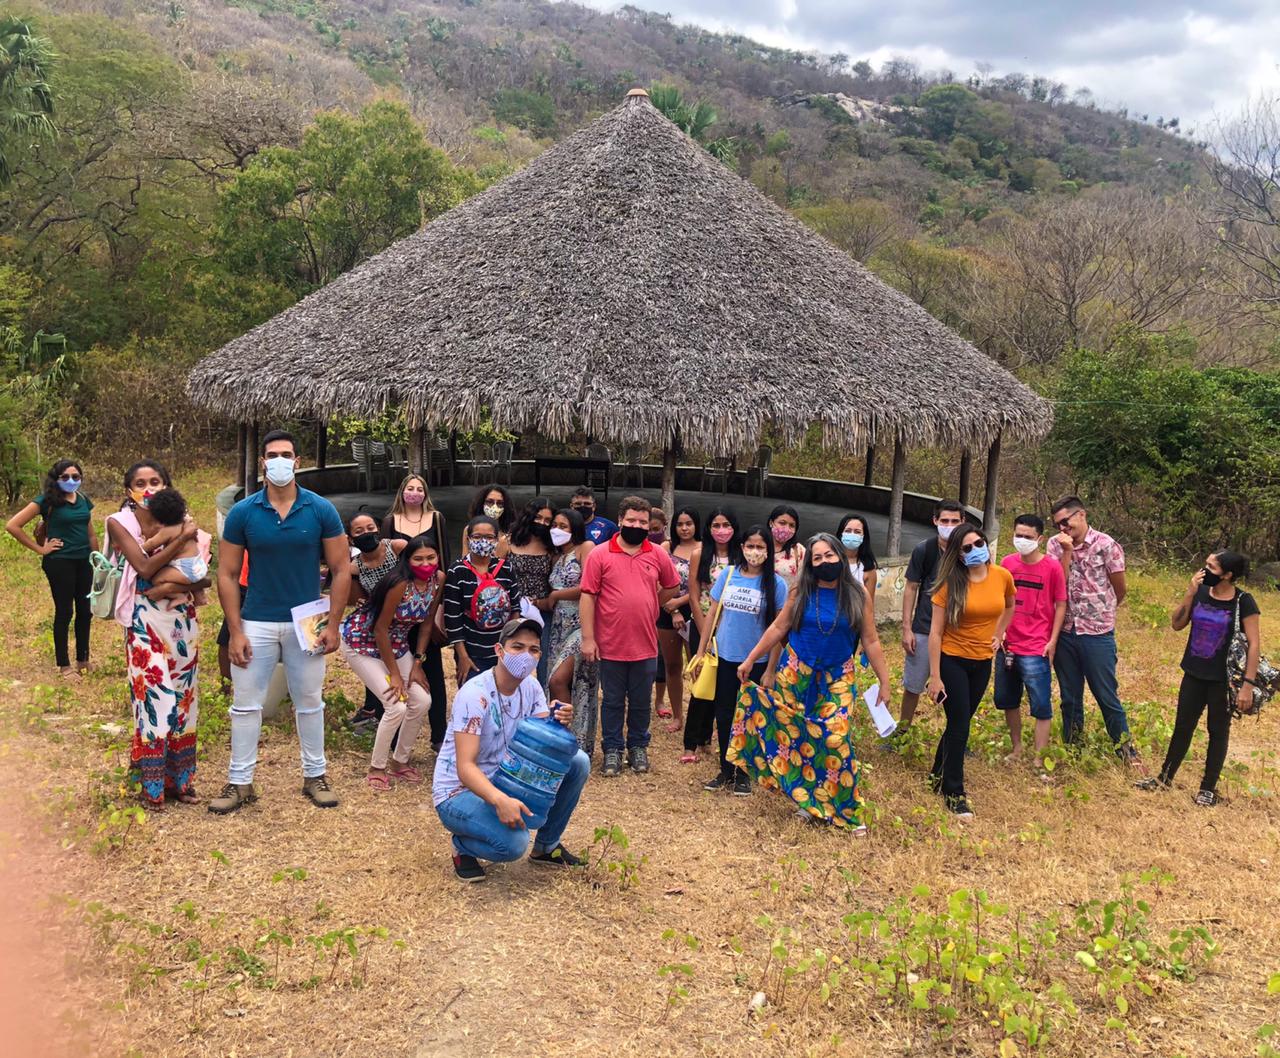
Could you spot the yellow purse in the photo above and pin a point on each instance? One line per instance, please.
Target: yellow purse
(701, 672)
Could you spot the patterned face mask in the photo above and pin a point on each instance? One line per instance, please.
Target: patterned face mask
(483, 546)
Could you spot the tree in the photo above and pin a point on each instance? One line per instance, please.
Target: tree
(859, 228)
(353, 187)
(947, 109)
(694, 120)
(26, 100)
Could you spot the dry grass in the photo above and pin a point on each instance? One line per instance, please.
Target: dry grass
(570, 965)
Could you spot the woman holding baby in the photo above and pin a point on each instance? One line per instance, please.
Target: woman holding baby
(165, 575)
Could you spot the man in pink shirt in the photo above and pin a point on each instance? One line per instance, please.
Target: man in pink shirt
(1040, 604)
(624, 582)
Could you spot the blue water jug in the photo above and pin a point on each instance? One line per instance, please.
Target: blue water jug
(537, 758)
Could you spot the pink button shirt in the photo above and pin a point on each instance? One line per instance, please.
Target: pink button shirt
(626, 590)
(1091, 600)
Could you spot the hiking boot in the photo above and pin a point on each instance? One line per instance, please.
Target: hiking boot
(639, 759)
(467, 868)
(612, 763)
(1151, 785)
(1207, 798)
(557, 857)
(741, 784)
(959, 806)
(233, 796)
(317, 791)
(718, 783)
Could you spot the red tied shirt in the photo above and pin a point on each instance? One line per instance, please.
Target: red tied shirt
(626, 590)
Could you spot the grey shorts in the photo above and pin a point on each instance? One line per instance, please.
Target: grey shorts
(915, 667)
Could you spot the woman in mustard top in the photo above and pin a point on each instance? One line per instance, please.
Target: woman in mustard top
(972, 607)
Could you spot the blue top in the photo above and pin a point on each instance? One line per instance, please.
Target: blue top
(825, 639)
(600, 530)
(284, 556)
(742, 618)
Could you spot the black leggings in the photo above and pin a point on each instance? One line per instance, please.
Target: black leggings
(433, 669)
(69, 582)
(728, 687)
(1194, 696)
(965, 680)
(700, 717)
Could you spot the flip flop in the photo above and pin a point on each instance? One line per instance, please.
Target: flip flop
(664, 714)
(689, 758)
(407, 774)
(378, 782)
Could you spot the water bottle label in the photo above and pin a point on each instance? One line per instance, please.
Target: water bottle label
(530, 774)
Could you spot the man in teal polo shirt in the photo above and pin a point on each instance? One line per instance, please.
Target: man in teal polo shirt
(287, 532)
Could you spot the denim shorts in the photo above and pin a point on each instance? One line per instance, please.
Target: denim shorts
(1030, 671)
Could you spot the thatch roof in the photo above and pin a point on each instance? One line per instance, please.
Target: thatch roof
(627, 284)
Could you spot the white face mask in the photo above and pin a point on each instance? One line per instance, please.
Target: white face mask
(560, 537)
(945, 531)
(519, 665)
(1024, 545)
(279, 470)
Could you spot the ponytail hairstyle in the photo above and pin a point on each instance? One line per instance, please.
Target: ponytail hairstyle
(400, 573)
(954, 573)
(849, 593)
(769, 608)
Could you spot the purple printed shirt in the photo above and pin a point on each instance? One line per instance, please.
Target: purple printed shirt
(1091, 600)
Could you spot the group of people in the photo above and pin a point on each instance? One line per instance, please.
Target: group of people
(559, 611)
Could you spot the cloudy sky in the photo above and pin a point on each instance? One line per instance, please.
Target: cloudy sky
(1159, 57)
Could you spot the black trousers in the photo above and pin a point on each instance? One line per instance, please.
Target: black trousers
(437, 714)
(728, 686)
(700, 717)
(69, 582)
(965, 680)
(1194, 697)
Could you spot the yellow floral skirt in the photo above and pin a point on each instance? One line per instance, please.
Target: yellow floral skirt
(803, 750)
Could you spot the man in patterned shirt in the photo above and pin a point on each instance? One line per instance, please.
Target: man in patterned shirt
(1094, 565)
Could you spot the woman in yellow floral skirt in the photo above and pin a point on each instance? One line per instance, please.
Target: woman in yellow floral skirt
(796, 737)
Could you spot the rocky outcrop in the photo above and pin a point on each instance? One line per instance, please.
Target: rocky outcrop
(859, 111)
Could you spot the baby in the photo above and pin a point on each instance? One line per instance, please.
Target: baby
(169, 509)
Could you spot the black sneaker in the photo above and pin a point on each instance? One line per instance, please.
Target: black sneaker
(718, 783)
(1207, 798)
(1151, 785)
(612, 763)
(741, 784)
(557, 857)
(639, 759)
(959, 806)
(468, 869)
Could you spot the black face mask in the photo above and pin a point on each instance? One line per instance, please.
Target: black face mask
(1211, 579)
(828, 571)
(634, 534)
(541, 532)
(366, 542)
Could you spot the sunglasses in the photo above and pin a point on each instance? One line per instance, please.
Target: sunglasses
(68, 477)
(970, 546)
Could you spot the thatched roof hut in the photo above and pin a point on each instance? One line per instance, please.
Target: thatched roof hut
(628, 285)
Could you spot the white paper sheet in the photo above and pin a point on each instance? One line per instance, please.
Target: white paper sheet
(309, 620)
(885, 724)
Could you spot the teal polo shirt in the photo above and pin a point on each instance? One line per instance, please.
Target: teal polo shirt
(284, 555)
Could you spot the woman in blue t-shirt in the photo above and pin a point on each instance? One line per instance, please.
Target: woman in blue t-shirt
(747, 596)
(64, 556)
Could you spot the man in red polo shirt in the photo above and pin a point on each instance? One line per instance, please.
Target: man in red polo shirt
(624, 582)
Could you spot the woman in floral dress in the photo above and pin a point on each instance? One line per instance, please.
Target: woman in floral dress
(162, 644)
(570, 679)
(796, 737)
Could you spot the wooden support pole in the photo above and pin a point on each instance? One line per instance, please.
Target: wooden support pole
(416, 438)
(322, 444)
(669, 480)
(242, 442)
(990, 518)
(966, 467)
(868, 478)
(251, 475)
(894, 543)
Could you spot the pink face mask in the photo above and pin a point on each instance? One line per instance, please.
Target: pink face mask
(783, 533)
(413, 499)
(722, 535)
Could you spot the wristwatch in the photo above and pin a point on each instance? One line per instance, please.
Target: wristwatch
(421, 659)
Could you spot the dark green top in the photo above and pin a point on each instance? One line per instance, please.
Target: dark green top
(68, 522)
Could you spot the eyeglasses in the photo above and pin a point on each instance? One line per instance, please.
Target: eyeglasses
(68, 477)
(969, 547)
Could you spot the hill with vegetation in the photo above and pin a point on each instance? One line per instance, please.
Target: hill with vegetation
(201, 165)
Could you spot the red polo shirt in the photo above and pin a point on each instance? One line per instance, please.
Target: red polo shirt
(626, 590)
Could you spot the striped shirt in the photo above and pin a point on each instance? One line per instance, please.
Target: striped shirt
(478, 633)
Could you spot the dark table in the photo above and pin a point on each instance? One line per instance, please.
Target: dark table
(583, 463)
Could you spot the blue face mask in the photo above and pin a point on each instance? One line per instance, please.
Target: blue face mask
(979, 556)
(69, 486)
(852, 541)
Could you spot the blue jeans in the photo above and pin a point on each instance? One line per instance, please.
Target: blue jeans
(272, 643)
(1090, 659)
(626, 693)
(477, 831)
(1030, 671)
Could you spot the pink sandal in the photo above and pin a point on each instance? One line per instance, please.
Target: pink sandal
(665, 713)
(378, 782)
(407, 774)
(689, 758)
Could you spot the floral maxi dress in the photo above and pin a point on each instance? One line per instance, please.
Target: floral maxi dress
(163, 650)
(796, 738)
